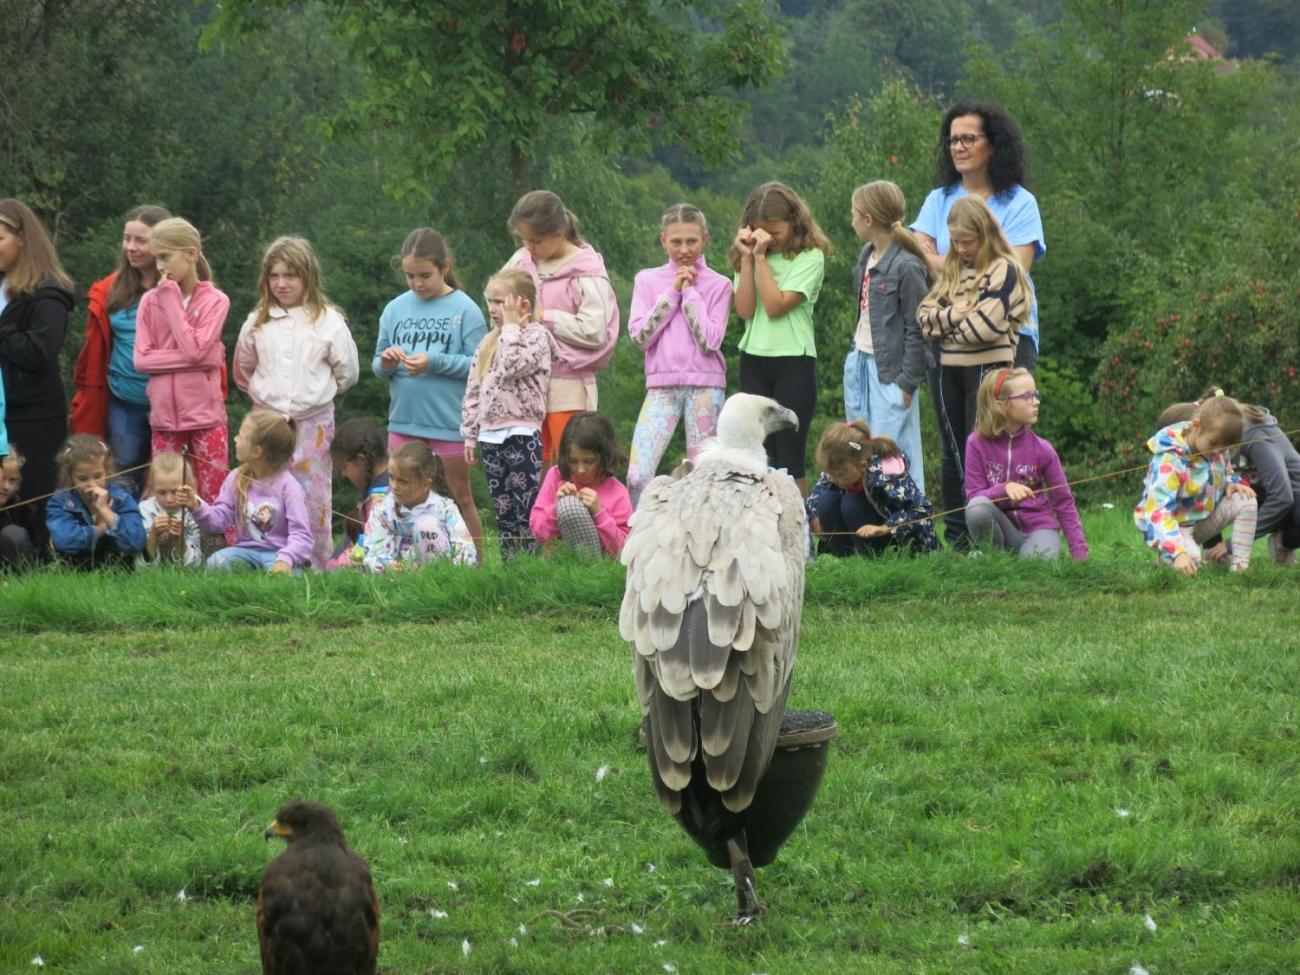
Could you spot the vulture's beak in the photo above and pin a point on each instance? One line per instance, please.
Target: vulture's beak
(277, 828)
(780, 418)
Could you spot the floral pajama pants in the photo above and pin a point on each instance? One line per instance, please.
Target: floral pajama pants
(514, 475)
(313, 469)
(207, 450)
(655, 426)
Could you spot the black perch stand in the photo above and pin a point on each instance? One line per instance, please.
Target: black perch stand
(786, 791)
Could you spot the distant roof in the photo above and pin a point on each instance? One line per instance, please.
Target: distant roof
(1203, 49)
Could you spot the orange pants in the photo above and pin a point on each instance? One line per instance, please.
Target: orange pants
(552, 429)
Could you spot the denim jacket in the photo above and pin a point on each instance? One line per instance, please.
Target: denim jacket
(898, 283)
(72, 525)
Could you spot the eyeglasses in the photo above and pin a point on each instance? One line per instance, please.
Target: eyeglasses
(966, 139)
(1033, 396)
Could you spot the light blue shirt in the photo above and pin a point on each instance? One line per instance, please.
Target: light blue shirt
(123, 380)
(4, 295)
(448, 330)
(1016, 211)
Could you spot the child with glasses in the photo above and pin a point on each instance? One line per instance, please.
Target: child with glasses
(1017, 494)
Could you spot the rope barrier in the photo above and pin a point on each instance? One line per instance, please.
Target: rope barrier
(347, 516)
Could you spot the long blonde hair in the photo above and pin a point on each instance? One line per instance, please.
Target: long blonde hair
(178, 234)
(298, 254)
(519, 282)
(37, 260)
(990, 415)
(883, 202)
(277, 436)
(971, 215)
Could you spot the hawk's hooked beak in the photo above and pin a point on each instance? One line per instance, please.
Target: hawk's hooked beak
(277, 828)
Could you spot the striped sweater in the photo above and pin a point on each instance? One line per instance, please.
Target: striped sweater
(987, 333)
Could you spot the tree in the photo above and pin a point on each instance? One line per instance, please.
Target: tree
(455, 76)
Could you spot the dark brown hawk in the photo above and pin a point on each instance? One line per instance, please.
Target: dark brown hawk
(317, 913)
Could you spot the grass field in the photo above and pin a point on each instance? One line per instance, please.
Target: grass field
(1041, 768)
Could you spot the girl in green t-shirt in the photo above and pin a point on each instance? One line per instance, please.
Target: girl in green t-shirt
(779, 255)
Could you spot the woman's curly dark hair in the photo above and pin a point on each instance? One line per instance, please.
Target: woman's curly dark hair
(1007, 163)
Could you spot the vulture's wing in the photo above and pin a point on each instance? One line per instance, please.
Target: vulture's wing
(714, 592)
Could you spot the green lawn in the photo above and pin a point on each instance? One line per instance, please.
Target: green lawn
(1033, 761)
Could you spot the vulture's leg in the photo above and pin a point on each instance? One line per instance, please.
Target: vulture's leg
(743, 872)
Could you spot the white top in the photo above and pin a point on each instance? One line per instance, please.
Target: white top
(294, 365)
(192, 553)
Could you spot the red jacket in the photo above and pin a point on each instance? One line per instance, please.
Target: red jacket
(89, 412)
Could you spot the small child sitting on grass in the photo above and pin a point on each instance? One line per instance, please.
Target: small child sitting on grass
(581, 502)
(417, 521)
(17, 550)
(171, 535)
(865, 501)
(1192, 492)
(93, 522)
(360, 453)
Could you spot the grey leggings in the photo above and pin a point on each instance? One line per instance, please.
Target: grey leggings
(985, 520)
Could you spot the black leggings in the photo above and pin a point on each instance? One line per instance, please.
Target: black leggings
(953, 389)
(791, 380)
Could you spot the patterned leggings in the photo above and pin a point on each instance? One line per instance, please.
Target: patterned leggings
(1239, 512)
(207, 451)
(657, 422)
(514, 476)
(313, 469)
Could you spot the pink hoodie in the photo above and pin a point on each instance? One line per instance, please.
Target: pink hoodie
(611, 523)
(579, 308)
(180, 349)
(681, 331)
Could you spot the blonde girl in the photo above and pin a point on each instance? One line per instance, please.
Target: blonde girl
(93, 522)
(1192, 492)
(779, 256)
(260, 499)
(111, 399)
(575, 303)
(1016, 492)
(678, 318)
(417, 521)
(427, 338)
(505, 404)
(885, 367)
(973, 312)
(865, 501)
(35, 298)
(178, 345)
(171, 534)
(294, 355)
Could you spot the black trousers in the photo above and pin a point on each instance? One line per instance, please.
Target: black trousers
(39, 440)
(791, 380)
(952, 390)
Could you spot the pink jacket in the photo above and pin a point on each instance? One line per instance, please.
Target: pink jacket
(180, 348)
(579, 308)
(512, 392)
(611, 523)
(681, 331)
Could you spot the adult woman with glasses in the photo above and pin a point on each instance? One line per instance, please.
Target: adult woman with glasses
(980, 152)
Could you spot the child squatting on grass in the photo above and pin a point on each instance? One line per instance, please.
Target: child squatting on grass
(360, 453)
(1192, 492)
(260, 499)
(866, 502)
(1016, 491)
(93, 523)
(171, 535)
(581, 501)
(416, 521)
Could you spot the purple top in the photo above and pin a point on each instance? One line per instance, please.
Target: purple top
(274, 518)
(1027, 459)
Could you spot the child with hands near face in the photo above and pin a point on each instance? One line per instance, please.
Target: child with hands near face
(260, 499)
(505, 405)
(1017, 495)
(678, 318)
(581, 502)
(360, 453)
(93, 523)
(171, 535)
(416, 522)
(1192, 492)
(865, 501)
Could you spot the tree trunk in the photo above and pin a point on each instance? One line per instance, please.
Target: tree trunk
(521, 170)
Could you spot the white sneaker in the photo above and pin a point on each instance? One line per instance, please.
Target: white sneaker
(1281, 554)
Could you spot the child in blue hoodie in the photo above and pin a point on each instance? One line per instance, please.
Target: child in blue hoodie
(427, 339)
(92, 523)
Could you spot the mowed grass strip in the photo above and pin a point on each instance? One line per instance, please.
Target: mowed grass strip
(1021, 779)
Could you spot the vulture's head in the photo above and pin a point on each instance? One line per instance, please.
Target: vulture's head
(303, 820)
(747, 420)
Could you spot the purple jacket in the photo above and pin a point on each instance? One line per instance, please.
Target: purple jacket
(274, 518)
(1028, 459)
(681, 331)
